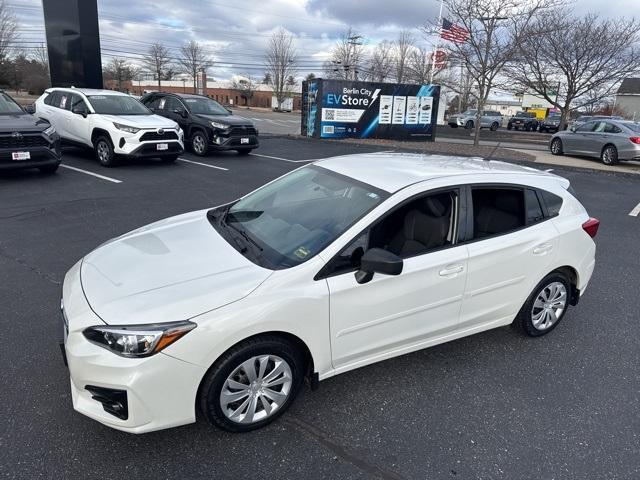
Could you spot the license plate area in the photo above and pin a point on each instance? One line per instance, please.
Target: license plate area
(18, 156)
(244, 140)
(162, 146)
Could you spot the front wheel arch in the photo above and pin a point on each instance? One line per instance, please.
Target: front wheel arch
(296, 341)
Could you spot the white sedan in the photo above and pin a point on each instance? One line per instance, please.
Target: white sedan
(336, 265)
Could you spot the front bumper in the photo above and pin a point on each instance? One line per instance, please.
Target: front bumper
(159, 391)
(145, 143)
(41, 156)
(220, 141)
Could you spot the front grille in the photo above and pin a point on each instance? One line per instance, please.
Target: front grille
(166, 135)
(25, 141)
(243, 131)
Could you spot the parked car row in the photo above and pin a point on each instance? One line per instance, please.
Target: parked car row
(116, 126)
(488, 119)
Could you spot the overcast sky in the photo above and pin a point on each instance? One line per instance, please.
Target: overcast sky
(235, 32)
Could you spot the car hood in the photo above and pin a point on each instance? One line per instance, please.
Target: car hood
(227, 119)
(170, 270)
(142, 121)
(22, 122)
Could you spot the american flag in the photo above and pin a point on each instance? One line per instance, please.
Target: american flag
(453, 33)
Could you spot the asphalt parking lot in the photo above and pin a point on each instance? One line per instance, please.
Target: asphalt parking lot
(492, 406)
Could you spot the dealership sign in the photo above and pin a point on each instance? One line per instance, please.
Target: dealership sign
(343, 108)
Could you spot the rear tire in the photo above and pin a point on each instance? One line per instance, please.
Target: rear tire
(236, 397)
(469, 125)
(494, 126)
(556, 147)
(609, 155)
(546, 306)
(509, 126)
(49, 169)
(104, 151)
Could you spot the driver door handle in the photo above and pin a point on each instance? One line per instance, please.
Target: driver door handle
(451, 270)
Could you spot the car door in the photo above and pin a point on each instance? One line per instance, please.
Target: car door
(172, 109)
(49, 110)
(592, 141)
(511, 248)
(390, 315)
(575, 142)
(63, 115)
(78, 124)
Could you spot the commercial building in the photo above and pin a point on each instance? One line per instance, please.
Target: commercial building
(627, 103)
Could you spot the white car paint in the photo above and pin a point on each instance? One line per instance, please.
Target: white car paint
(180, 268)
(79, 129)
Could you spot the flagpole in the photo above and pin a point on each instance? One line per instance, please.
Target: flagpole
(435, 49)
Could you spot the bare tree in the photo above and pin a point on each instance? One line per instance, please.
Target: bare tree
(576, 62)
(496, 30)
(418, 69)
(118, 70)
(39, 54)
(402, 48)
(381, 63)
(193, 60)
(157, 61)
(8, 29)
(280, 63)
(347, 56)
(246, 85)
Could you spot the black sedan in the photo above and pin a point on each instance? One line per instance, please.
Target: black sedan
(26, 141)
(207, 125)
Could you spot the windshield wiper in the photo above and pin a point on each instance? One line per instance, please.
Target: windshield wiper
(246, 236)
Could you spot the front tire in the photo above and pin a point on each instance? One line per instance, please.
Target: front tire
(494, 126)
(104, 151)
(546, 306)
(468, 125)
(609, 155)
(49, 169)
(556, 147)
(199, 144)
(252, 384)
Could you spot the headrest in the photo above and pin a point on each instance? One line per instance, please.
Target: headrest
(438, 205)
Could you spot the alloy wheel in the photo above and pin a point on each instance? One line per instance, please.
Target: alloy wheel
(256, 389)
(556, 147)
(103, 151)
(549, 305)
(609, 155)
(199, 144)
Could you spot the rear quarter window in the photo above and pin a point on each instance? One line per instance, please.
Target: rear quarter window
(552, 201)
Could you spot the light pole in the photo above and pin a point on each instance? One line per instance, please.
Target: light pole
(184, 86)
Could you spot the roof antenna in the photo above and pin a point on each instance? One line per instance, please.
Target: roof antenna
(488, 159)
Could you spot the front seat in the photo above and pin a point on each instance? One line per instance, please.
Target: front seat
(423, 231)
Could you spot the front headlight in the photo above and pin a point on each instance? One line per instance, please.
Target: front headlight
(221, 126)
(49, 131)
(126, 128)
(137, 340)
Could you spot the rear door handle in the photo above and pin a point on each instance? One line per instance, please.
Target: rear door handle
(542, 249)
(451, 270)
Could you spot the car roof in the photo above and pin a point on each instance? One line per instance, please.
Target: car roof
(394, 171)
(86, 91)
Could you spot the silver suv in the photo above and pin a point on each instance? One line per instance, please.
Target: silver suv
(490, 119)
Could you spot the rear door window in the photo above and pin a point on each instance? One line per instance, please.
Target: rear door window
(497, 211)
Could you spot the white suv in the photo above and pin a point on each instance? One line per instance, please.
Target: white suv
(112, 123)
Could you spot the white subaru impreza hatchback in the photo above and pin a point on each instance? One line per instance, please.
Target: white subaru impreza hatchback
(336, 265)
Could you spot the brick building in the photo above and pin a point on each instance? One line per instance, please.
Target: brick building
(220, 91)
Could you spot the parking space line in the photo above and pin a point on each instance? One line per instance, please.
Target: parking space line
(280, 158)
(203, 164)
(636, 211)
(97, 175)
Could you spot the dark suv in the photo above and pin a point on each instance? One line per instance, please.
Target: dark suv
(207, 125)
(26, 141)
(523, 121)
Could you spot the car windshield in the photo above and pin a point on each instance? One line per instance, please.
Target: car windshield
(470, 112)
(117, 105)
(8, 106)
(290, 220)
(554, 116)
(205, 106)
(523, 114)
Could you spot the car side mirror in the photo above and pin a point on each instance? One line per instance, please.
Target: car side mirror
(181, 111)
(377, 260)
(31, 108)
(80, 110)
(573, 129)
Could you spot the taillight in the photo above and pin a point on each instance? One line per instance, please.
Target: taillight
(635, 140)
(591, 226)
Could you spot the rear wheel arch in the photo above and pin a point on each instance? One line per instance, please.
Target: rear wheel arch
(574, 278)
